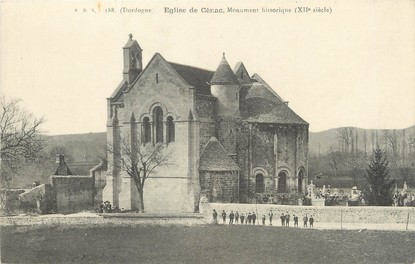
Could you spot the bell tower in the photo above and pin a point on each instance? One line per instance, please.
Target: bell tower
(133, 62)
(225, 87)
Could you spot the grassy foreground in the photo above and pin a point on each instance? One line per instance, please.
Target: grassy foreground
(204, 244)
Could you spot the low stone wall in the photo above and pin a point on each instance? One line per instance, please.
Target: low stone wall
(332, 214)
(38, 198)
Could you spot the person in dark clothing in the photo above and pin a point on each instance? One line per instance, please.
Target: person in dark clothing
(282, 217)
(270, 215)
(311, 221)
(305, 220)
(215, 217)
(249, 218)
(295, 220)
(231, 216)
(236, 217)
(223, 216)
(263, 219)
(242, 218)
(287, 219)
(253, 218)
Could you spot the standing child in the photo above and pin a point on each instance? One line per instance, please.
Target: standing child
(311, 221)
(282, 217)
(231, 216)
(236, 217)
(287, 219)
(305, 220)
(242, 218)
(263, 219)
(270, 214)
(295, 221)
(223, 216)
(215, 217)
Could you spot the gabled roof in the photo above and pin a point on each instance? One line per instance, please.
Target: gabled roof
(215, 158)
(131, 42)
(62, 168)
(224, 74)
(258, 78)
(120, 88)
(241, 73)
(196, 77)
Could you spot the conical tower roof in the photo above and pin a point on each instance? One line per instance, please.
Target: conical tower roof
(224, 74)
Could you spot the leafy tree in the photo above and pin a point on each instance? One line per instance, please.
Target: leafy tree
(380, 187)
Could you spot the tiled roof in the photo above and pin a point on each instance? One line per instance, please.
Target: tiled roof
(196, 77)
(224, 74)
(63, 169)
(241, 73)
(263, 110)
(258, 78)
(259, 90)
(215, 158)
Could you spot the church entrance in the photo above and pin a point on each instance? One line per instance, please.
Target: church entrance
(282, 182)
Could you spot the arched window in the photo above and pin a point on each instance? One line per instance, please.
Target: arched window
(300, 181)
(259, 183)
(146, 130)
(170, 130)
(158, 124)
(282, 182)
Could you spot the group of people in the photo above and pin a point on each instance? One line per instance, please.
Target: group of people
(252, 218)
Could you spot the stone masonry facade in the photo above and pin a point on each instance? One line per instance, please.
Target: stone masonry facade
(233, 138)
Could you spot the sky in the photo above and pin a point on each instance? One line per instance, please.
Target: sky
(354, 66)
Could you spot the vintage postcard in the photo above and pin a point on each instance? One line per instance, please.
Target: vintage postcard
(207, 131)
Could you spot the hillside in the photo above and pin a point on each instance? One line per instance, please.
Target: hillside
(322, 142)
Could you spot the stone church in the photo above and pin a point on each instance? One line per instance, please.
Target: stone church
(233, 137)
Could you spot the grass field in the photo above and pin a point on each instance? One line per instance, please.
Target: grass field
(204, 244)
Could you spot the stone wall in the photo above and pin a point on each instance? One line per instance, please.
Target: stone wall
(73, 193)
(38, 198)
(206, 131)
(375, 215)
(220, 186)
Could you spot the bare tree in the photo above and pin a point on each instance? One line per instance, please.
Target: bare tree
(140, 161)
(21, 142)
(334, 161)
(345, 135)
(391, 142)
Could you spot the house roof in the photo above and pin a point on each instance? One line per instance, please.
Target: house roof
(117, 94)
(258, 78)
(196, 77)
(215, 158)
(241, 73)
(265, 110)
(224, 74)
(259, 90)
